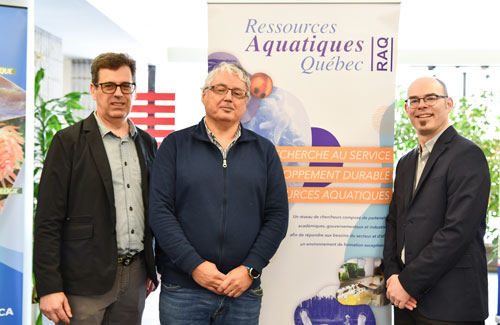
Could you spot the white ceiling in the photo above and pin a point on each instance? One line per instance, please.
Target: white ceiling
(431, 31)
(82, 28)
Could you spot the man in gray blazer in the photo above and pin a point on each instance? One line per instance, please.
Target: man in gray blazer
(93, 246)
(434, 255)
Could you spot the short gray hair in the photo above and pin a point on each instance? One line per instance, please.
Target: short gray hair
(232, 68)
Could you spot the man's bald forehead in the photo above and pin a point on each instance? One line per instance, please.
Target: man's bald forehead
(429, 81)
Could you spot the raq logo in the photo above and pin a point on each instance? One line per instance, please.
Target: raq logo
(6, 312)
(382, 52)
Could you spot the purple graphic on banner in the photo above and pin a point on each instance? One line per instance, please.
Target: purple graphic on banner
(322, 138)
(328, 311)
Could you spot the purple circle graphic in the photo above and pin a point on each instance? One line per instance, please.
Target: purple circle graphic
(322, 138)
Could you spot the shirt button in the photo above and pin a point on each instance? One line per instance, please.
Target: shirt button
(132, 231)
(131, 209)
(125, 163)
(128, 185)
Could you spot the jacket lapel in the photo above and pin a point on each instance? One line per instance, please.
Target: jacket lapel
(410, 177)
(438, 149)
(98, 151)
(139, 145)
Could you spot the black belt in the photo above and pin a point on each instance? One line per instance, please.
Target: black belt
(126, 260)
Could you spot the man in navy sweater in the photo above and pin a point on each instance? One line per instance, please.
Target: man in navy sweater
(218, 210)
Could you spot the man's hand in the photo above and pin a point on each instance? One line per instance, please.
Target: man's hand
(237, 281)
(398, 295)
(150, 286)
(208, 276)
(411, 304)
(55, 306)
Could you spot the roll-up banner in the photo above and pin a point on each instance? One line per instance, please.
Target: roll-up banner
(322, 86)
(13, 51)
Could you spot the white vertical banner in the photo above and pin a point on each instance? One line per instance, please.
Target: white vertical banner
(322, 85)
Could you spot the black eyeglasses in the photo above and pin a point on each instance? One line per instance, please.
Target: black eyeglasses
(223, 89)
(110, 87)
(430, 100)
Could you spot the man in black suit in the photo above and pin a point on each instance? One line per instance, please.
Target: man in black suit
(434, 254)
(93, 246)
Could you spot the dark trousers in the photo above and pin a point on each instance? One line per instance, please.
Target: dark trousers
(122, 305)
(413, 317)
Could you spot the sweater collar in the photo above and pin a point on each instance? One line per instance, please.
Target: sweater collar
(200, 132)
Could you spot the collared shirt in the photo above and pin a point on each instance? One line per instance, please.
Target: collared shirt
(223, 151)
(424, 152)
(126, 173)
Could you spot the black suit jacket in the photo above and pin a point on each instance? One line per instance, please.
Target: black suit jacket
(442, 226)
(75, 248)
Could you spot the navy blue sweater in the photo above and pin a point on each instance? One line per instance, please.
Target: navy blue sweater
(200, 211)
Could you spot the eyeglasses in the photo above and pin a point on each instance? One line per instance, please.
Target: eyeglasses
(223, 89)
(430, 100)
(110, 87)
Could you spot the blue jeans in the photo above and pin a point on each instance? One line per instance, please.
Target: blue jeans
(188, 306)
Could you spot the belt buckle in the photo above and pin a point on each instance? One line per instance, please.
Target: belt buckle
(125, 260)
